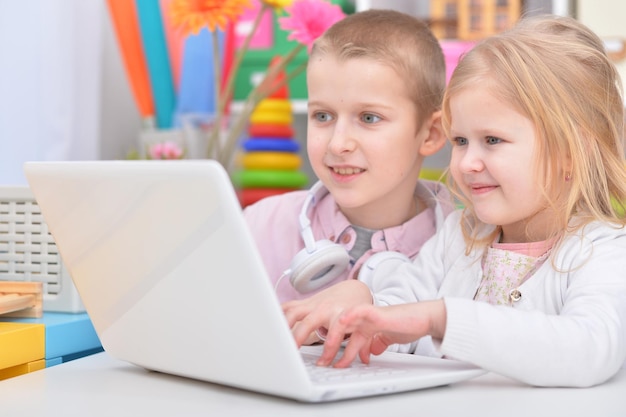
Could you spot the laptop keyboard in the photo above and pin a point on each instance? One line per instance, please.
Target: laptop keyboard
(356, 371)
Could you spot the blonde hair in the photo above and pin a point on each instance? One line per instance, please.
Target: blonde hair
(555, 71)
(398, 40)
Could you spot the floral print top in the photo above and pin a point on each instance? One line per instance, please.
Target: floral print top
(506, 267)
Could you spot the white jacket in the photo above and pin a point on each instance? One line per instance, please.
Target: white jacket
(568, 328)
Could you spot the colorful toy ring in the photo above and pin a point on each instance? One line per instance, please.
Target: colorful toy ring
(275, 130)
(279, 145)
(274, 105)
(271, 160)
(269, 179)
(249, 196)
(271, 117)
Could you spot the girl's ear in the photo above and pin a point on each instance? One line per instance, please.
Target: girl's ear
(436, 139)
(567, 168)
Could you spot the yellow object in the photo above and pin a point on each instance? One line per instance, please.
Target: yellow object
(22, 369)
(433, 174)
(271, 117)
(619, 208)
(21, 343)
(271, 160)
(274, 105)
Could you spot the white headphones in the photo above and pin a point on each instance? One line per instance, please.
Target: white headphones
(322, 261)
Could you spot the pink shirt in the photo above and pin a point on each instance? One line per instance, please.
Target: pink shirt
(276, 229)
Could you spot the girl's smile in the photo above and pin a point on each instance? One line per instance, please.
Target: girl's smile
(481, 189)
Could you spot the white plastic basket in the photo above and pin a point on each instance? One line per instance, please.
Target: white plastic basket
(28, 251)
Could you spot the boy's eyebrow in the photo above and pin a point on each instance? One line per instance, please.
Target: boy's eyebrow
(314, 103)
(361, 104)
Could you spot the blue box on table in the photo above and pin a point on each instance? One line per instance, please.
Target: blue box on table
(68, 336)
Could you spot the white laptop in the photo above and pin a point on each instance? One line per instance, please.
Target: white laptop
(170, 276)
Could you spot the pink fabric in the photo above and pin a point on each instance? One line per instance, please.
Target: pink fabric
(531, 248)
(276, 229)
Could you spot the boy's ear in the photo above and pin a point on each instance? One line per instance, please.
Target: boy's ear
(436, 139)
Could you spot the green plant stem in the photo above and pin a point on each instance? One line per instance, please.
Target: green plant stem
(214, 134)
(225, 157)
(290, 76)
(255, 96)
(234, 69)
(223, 96)
(275, 70)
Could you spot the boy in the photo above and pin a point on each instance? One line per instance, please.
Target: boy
(375, 84)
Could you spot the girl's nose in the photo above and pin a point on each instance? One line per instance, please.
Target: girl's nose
(469, 159)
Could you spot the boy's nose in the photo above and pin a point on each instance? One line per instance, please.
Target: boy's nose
(341, 140)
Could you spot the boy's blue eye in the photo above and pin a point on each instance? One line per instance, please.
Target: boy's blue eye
(322, 116)
(492, 140)
(370, 118)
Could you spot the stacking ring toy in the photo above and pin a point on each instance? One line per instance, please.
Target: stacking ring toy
(249, 196)
(274, 105)
(275, 130)
(269, 179)
(271, 160)
(271, 117)
(273, 138)
(279, 145)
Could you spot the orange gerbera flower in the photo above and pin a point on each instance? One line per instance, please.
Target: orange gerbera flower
(193, 15)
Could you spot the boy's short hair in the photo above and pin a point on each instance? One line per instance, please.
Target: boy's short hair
(392, 38)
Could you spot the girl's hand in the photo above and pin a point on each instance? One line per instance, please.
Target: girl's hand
(373, 329)
(306, 316)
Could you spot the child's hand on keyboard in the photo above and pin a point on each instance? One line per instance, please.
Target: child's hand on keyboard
(373, 329)
(306, 316)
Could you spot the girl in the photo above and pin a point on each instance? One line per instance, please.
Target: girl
(528, 279)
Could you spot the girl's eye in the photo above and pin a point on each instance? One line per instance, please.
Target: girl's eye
(492, 140)
(459, 141)
(370, 118)
(322, 116)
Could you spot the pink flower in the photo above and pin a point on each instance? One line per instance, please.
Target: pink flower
(308, 19)
(165, 150)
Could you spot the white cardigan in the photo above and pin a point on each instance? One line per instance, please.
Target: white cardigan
(568, 328)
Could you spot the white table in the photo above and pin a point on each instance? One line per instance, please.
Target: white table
(100, 385)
